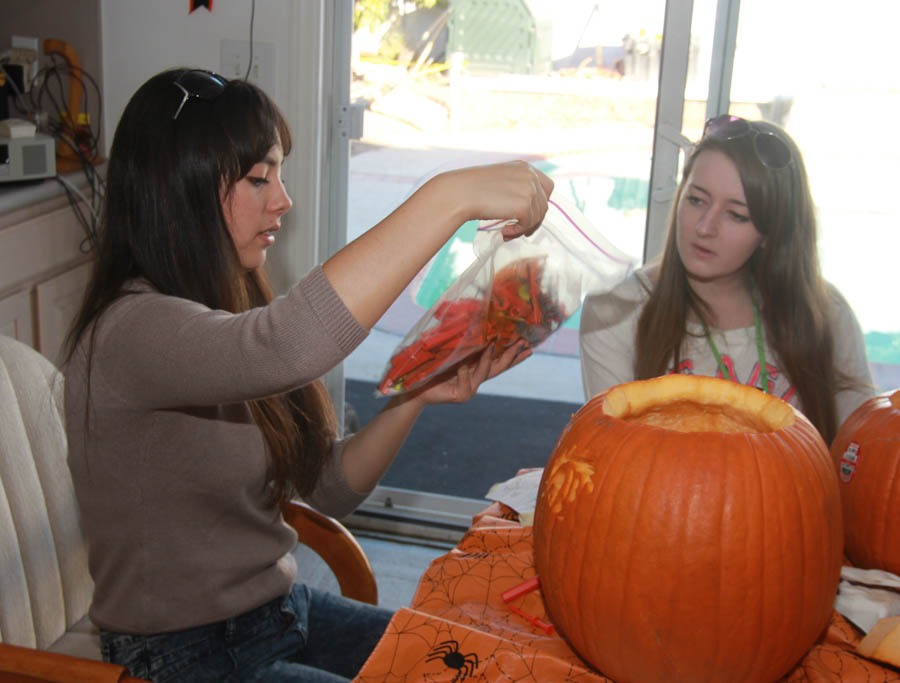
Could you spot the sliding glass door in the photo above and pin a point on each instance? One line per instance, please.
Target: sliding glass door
(836, 87)
(604, 97)
(570, 87)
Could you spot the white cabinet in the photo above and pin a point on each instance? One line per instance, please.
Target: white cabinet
(43, 273)
(15, 317)
(58, 301)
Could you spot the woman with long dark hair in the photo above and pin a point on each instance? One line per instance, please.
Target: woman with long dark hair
(193, 398)
(738, 292)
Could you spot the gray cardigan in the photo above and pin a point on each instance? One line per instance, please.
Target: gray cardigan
(171, 476)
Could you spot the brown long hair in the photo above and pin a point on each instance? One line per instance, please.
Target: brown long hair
(796, 303)
(163, 215)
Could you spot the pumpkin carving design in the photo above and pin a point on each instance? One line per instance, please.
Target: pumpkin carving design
(689, 529)
(866, 453)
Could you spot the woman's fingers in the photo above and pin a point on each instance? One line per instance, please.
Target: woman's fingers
(534, 205)
(461, 384)
(511, 356)
(470, 375)
(482, 369)
(513, 190)
(489, 366)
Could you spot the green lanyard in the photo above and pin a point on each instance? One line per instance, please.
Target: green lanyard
(760, 348)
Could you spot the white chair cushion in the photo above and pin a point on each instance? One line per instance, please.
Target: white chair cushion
(44, 577)
(81, 640)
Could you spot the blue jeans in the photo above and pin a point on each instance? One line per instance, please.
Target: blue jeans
(308, 635)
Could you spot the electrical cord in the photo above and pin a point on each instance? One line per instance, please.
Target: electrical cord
(250, 60)
(47, 94)
(89, 137)
(91, 222)
(89, 225)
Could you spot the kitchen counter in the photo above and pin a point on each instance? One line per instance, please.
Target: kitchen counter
(15, 195)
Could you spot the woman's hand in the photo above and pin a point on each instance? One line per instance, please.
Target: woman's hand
(514, 191)
(415, 231)
(461, 384)
(369, 452)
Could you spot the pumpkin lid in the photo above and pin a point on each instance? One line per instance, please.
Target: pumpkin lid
(696, 403)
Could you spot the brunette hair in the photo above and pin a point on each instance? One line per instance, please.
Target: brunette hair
(163, 216)
(796, 303)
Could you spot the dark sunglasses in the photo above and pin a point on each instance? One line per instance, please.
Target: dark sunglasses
(771, 150)
(203, 85)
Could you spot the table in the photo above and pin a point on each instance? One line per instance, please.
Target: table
(458, 627)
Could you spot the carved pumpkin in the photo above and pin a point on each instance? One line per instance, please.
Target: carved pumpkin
(866, 453)
(689, 529)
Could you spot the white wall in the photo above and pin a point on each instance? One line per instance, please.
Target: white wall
(143, 37)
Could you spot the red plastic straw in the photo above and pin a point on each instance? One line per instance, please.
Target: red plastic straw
(534, 621)
(520, 590)
(523, 588)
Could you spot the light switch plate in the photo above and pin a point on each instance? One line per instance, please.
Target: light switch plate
(234, 55)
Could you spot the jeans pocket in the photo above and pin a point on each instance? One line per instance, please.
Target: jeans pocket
(276, 632)
(294, 611)
(125, 650)
(192, 655)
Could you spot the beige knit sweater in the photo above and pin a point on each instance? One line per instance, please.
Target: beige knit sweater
(171, 475)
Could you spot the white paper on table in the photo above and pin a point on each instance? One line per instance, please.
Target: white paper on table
(519, 493)
(867, 595)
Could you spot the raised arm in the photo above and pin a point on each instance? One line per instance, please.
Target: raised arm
(371, 272)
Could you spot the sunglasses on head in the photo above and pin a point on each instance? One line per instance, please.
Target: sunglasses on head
(203, 85)
(770, 149)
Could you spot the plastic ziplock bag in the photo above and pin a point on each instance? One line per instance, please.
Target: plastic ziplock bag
(523, 289)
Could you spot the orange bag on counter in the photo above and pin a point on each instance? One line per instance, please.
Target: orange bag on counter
(521, 289)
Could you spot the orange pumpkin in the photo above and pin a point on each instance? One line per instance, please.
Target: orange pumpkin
(689, 529)
(866, 453)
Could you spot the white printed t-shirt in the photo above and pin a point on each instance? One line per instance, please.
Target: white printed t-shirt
(609, 324)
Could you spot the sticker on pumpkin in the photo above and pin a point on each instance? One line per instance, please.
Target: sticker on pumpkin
(849, 462)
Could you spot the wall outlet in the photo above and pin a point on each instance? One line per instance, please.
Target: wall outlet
(234, 55)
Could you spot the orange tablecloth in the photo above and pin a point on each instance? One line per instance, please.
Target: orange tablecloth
(458, 628)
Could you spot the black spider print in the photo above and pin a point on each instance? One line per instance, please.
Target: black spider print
(448, 652)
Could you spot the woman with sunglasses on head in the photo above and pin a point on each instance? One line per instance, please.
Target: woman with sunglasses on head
(193, 402)
(737, 292)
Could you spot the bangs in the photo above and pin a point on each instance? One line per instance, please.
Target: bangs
(760, 184)
(252, 124)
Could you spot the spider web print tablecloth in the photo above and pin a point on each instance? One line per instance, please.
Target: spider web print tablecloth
(458, 628)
